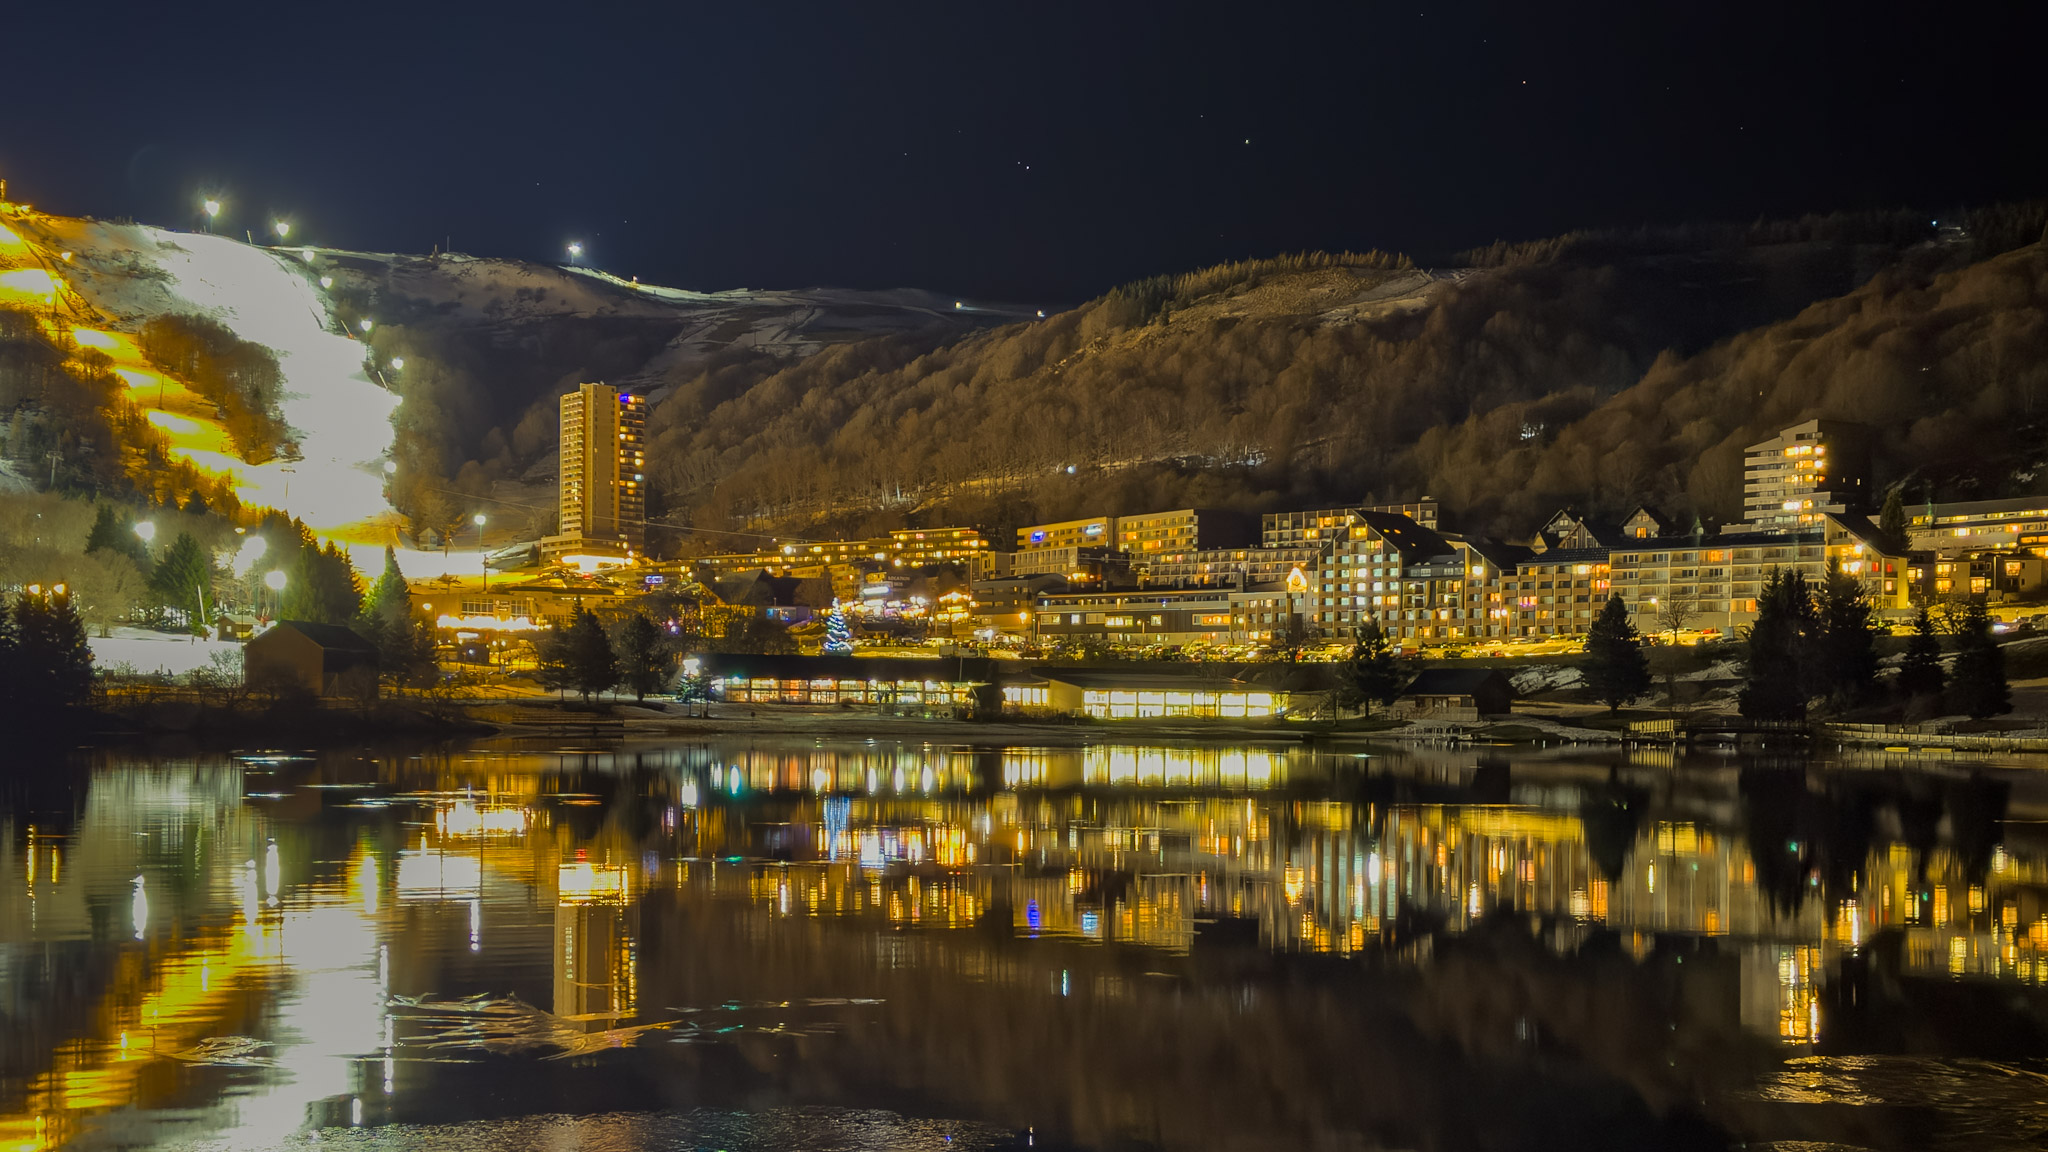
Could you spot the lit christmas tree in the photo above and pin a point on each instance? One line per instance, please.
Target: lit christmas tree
(838, 633)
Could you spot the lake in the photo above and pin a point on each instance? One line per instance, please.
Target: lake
(789, 943)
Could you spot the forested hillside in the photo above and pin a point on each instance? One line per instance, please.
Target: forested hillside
(1597, 369)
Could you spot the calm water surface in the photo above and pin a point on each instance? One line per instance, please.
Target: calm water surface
(788, 944)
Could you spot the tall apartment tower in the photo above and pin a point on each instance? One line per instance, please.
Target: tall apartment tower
(1790, 480)
(603, 474)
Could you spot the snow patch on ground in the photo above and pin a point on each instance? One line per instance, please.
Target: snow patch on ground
(1544, 678)
(149, 652)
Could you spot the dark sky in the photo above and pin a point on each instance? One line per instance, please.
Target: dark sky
(1037, 153)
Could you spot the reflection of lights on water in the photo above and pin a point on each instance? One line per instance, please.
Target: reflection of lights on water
(585, 883)
(138, 909)
(436, 875)
(273, 874)
(251, 898)
(366, 884)
(476, 925)
(1031, 915)
(688, 794)
(465, 819)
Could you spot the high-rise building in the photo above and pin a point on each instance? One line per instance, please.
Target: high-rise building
(603, 478)
(1792, 480)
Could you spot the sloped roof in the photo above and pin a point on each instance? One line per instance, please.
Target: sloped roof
(1407, 537)
(330, 636)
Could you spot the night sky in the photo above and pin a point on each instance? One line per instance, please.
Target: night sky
(1031, 153)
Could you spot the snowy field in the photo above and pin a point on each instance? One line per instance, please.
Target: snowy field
(148, 652)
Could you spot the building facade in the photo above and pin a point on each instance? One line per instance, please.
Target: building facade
(1980, 524)
(1804, 472)
(1095, 532)
(602, 500)
(1559, 592)
(1700, 583)
(1228, 567)
(1324, 525)
(1181, 530)
(1135, 618)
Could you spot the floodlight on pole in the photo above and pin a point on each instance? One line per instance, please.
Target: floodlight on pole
(284, 229)
(146, 530)
(211, 207)
(575, 250)
(274, 580)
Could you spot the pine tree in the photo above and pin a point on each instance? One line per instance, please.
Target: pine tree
(183, 581)
(1892, 521)
(644, 658)
(53, 662)
(1373, 674)
(320, 585)
(1778, 677)
(405, 644)
(1920, 671)
(838, 633)
(1616, 668)
(113, 532)
(1844, 665)
(1978, 688)
(578, 656)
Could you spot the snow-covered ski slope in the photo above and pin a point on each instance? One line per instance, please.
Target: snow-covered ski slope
(129, 273)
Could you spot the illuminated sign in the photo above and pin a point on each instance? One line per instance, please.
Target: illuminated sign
(1038, 537)
(1093, 530)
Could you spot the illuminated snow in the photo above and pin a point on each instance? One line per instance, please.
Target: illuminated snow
(343, 420)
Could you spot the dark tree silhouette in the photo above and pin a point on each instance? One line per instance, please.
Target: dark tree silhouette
(644, 658)
(1920, 673)
(1373, 675)
(1778, 680)
(1843, 667)
(1616, 669)
(1978, 688)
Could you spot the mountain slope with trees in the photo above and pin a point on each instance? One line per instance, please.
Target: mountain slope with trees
(1597, 369)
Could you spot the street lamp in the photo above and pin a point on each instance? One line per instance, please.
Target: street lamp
(483, 561)
(275, 581)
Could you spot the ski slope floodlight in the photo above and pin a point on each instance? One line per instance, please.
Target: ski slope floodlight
(575, 250)
(211, 207)
(284, 229)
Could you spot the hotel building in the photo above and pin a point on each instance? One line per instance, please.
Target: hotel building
(602, 481)
(1795, 477)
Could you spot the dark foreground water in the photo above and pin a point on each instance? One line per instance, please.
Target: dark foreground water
(785, 944)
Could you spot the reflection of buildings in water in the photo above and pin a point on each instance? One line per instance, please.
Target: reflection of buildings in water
(595, 964)
(228, 932)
